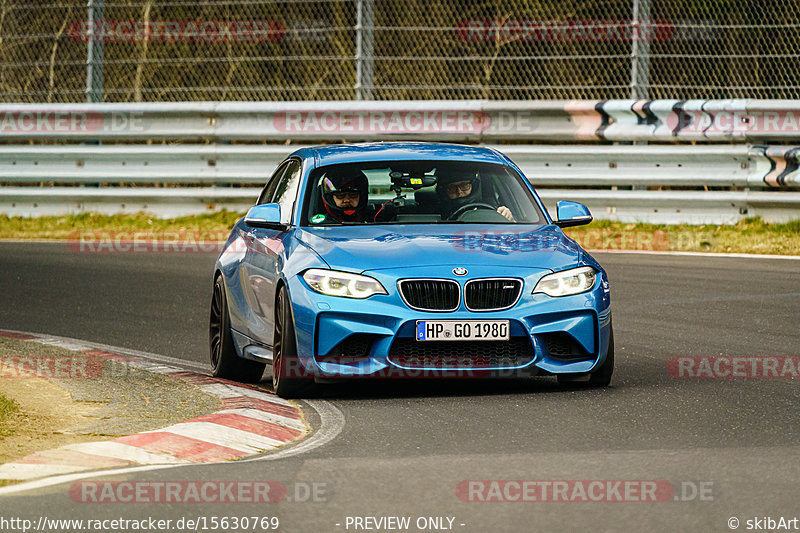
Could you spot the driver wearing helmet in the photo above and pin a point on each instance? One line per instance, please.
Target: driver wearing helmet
(456, 190)
(344, 198)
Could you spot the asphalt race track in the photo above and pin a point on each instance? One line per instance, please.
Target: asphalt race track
(730, 447)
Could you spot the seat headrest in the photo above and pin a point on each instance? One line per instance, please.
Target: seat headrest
(426, 196)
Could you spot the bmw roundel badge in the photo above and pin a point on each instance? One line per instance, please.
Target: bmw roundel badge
(460, 271)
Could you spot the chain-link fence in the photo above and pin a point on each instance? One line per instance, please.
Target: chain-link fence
(175, 50)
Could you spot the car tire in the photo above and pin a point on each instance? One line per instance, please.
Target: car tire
(284, 352)
(599, 378)
(225, 362)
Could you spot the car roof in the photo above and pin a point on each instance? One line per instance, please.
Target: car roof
(392, 151)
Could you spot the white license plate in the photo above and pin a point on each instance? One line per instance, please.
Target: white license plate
(462, 330)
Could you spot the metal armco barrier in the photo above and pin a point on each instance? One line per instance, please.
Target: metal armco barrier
(547, 165)
(662, 207)
(755, 121)
(736, 150)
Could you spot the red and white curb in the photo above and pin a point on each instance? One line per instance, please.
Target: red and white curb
(251, 421)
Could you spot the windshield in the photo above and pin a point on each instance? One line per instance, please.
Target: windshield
(418, 192)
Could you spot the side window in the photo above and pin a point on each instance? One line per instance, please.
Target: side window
(272, 184)
(286, 192)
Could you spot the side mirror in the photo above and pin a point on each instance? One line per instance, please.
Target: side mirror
(264, 216)
(572, 214)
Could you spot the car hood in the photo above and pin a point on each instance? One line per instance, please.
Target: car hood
(359, 248)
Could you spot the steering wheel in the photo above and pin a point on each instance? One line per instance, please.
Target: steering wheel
(464, 208)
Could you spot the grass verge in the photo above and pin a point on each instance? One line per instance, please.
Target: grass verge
(8, 408)
(751, 235)
(71, 226)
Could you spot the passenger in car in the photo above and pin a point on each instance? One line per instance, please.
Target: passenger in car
(345, 199)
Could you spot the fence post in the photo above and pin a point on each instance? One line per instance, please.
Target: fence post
(94, 52)
(640, 50)
(365, 24)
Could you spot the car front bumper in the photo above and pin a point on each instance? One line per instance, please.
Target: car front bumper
(341, 337)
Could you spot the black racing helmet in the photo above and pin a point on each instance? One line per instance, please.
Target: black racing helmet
(446, 176)
(344, 180)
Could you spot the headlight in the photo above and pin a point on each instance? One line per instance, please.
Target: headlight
(568, 282)
(335, 283)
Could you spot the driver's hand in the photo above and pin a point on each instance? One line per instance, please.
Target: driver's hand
(506, 212)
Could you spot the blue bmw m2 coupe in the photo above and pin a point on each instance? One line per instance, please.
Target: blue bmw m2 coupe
(404, 259)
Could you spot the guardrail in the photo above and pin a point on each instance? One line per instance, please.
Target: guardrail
(755, 121)
(84, 175)
(662, 207)
(546, 165)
